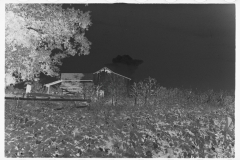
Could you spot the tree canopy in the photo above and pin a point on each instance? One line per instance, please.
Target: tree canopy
(125, 65)
(33, 31)
(126, 59)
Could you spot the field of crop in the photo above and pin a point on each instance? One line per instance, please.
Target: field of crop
(171, 126)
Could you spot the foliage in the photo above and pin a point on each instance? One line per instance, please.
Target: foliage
(117, 89)
(177, 125)
(37, 87)
(126, 59)
(145, 89)
(89, 92)
(10, 90)
(148, 91)
(135, 92)
(55, 89)
(33, 31)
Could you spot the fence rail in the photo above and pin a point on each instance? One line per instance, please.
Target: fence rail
(45, 97)
(48, 99)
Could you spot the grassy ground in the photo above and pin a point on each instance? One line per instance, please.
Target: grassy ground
(166, 128)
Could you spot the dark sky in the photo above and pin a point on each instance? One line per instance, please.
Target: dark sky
(182, 45)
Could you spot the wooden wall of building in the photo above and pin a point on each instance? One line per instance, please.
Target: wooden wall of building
(105, 79)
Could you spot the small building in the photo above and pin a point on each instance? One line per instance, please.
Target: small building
(106, 76)
(73, 82)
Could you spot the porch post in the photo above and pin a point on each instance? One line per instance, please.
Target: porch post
(48, 89)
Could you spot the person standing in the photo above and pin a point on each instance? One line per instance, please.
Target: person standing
(28, 88)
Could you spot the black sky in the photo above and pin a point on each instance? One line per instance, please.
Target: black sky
(182, 45)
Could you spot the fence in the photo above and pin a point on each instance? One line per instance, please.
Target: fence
(47, 97)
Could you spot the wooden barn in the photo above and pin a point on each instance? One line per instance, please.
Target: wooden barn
(109, 75)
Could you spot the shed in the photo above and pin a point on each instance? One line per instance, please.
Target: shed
(105, 76)
(73, 82)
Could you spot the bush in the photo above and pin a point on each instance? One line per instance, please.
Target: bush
(12, 90)
(56, 90)
(37, 87)
(9, 89)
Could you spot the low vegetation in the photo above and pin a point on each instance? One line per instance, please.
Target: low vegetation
(152, 122)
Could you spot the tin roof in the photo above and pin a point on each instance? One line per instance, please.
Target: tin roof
(106, 69)
(119, 69)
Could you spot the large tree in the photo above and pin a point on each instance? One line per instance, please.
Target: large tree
(33, 31)
(126, 59)
(121, 62)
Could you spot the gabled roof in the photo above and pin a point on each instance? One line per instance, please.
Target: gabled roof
(112, 70)
(122, 69)
(77, 76)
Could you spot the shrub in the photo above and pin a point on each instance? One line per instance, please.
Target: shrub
(9, 89)
(12, 90)
(37, 87)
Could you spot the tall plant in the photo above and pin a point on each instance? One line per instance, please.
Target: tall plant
(117, 89)
(135, 92)
(148, 88)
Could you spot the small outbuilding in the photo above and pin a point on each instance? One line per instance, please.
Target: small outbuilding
(72, 82)
(76, 82)
(106, 76)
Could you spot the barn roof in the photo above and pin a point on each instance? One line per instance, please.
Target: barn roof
(77, 76)
(123, 72)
